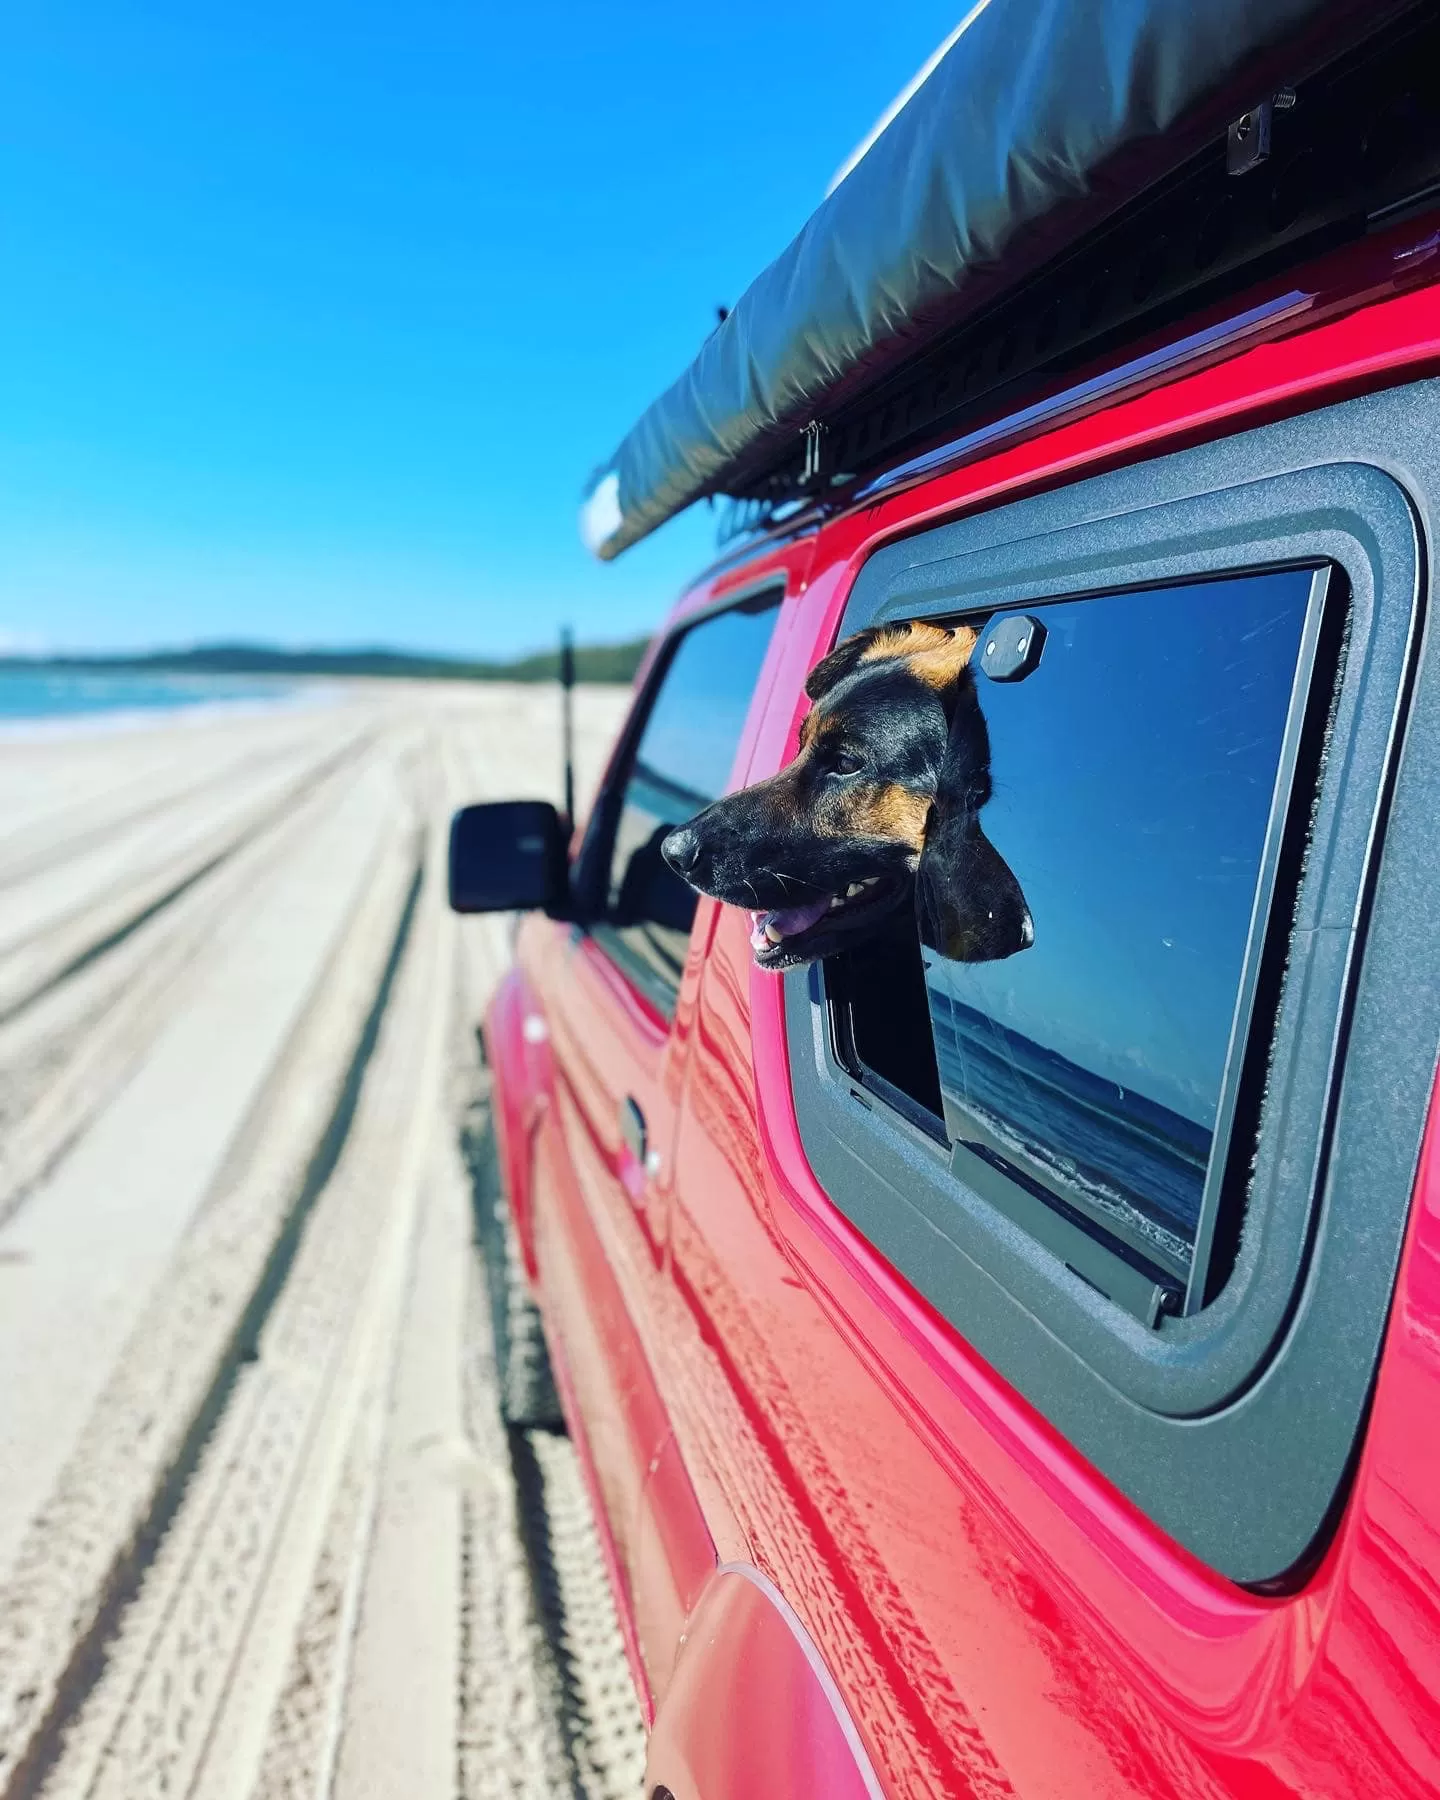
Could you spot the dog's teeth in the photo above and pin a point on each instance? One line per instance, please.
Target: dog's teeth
(775, 937)
(836, 901)
(870, 881)
(855, 887)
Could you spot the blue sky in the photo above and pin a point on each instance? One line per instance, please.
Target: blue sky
(314, 318)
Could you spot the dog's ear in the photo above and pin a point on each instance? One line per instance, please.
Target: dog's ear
(938, 654)
(968, 903)
(841, 661)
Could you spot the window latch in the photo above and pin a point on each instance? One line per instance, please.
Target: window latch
(1011, 647)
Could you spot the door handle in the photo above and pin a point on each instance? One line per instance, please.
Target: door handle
(632, 1129)
(644, 1159)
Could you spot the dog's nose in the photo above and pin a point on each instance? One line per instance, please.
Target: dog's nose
(681, 849)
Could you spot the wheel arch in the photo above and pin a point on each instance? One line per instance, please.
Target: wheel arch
(751, 1708)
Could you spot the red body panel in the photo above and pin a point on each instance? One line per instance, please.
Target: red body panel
(519, 1100)
(758, 1386)
(595, 1245)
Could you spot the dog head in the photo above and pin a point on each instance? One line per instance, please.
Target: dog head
(878, 810)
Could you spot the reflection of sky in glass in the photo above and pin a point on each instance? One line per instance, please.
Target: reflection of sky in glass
(1134, 773)
(694, 729)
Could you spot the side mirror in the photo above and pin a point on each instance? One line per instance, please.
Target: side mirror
(509, 857)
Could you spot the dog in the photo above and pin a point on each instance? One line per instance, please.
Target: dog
(879, 809)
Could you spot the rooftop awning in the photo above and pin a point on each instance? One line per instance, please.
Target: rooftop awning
(1040, 120)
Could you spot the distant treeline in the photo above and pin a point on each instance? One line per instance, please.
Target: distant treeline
(593, 662)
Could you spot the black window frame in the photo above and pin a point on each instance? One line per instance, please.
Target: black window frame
(1233, 1427)
(1098, 1251)
(590, 877)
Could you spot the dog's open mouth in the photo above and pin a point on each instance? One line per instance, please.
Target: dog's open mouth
(791, 934)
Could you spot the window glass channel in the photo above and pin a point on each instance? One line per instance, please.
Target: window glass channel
(1141, 774)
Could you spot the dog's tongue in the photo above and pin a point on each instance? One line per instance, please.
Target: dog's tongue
(787, 921)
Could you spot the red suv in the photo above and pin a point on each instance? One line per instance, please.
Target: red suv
(1021, 1376)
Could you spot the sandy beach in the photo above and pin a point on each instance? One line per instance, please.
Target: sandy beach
(261, 1531)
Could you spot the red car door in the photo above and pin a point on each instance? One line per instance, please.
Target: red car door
(615, 997)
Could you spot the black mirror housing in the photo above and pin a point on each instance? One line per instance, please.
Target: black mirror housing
(509, 856)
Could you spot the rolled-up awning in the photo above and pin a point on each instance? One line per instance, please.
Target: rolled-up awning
(1040, 120)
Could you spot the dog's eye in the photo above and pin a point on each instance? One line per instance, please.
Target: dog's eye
(845, 764)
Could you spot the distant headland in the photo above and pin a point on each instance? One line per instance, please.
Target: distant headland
(593, 662)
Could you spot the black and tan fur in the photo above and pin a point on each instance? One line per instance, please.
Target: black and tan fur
(886, 789)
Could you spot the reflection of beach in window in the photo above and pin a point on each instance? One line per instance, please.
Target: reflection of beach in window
(1134, 779)
(1139, 1165)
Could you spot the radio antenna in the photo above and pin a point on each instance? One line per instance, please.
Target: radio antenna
(567, 721)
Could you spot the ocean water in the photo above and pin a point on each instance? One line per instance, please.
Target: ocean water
(55, 698)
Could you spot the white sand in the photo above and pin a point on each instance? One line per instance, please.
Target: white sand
(196, 918)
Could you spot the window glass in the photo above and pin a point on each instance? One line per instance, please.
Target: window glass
(682, 763)
(1135, 771)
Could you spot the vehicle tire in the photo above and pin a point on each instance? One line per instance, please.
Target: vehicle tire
(523, 1375)
(522, 1362)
